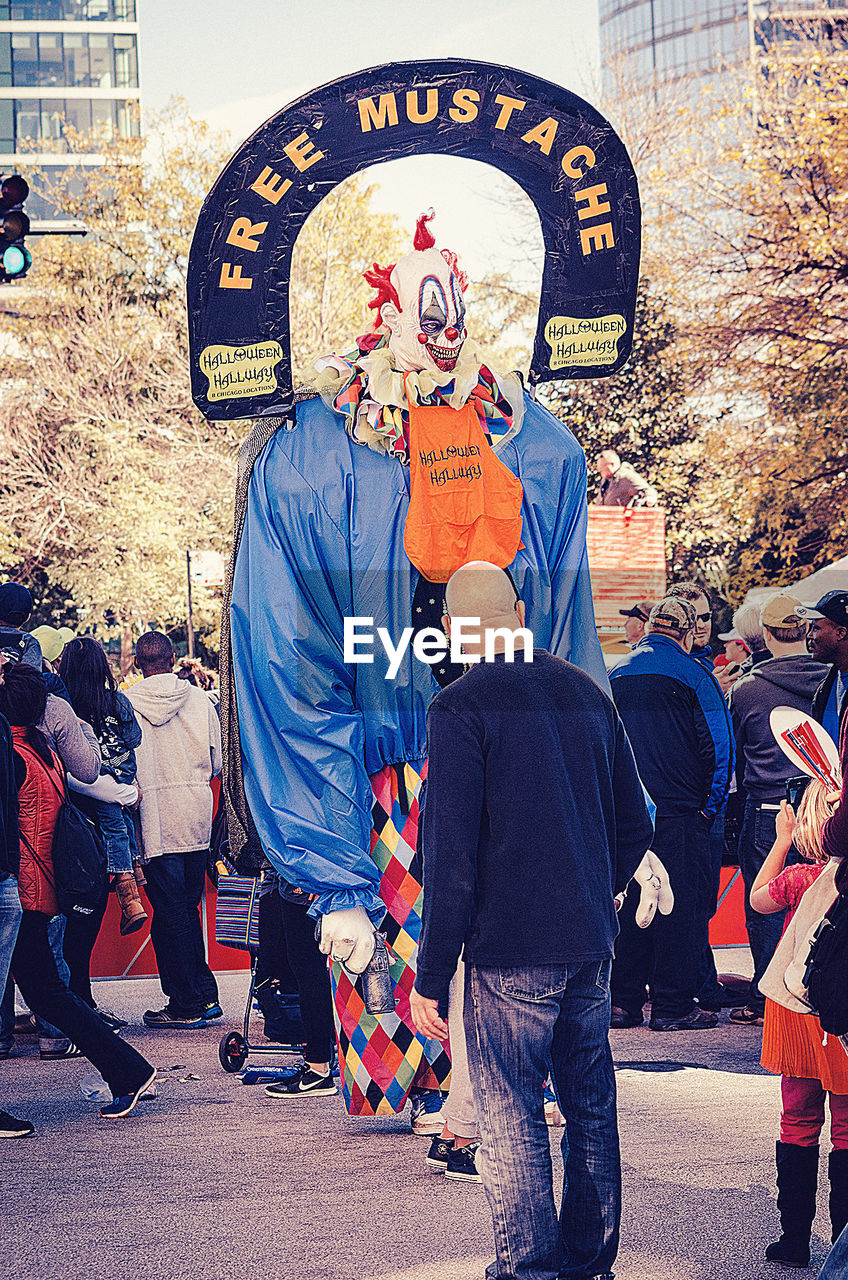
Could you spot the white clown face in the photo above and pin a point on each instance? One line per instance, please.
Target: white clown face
(429, 330)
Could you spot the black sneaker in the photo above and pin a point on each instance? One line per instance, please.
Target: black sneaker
(111, 1019)
(461, 1165)
(167, 1019)
(122, 1105)
(10, 1127)
(697, 1020)
(212, 1010)
(437, 1156)
(57, 1055)
(620, 1018)
(305, 1083)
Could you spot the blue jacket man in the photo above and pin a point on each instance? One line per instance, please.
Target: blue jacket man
(679, 726)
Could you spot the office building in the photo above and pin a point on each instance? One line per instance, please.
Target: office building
(64, 64)
(667, 40)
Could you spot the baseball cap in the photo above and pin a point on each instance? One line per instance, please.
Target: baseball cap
(641, 609)
(780, 611)
(833, 606)
(67, 634)
(673, 614)
(15, 602)
(732, 634)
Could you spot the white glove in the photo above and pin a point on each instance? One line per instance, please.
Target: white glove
(348, 936)
(652, 878)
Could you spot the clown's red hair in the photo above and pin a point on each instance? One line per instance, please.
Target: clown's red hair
(424, 238)
(380, 277)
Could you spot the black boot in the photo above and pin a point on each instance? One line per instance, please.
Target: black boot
(797, 1181)
(837, 1168)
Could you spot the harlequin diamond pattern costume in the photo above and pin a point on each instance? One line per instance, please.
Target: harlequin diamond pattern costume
(414, 455)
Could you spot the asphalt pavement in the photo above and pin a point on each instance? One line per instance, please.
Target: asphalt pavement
(214, 1179)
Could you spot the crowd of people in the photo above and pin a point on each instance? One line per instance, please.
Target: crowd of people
(676, 776)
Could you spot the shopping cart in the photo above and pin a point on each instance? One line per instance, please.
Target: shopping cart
(237, 925)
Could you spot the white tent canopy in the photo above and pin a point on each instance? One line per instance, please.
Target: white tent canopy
(833, 577)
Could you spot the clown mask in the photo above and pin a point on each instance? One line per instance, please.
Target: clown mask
(421, 307)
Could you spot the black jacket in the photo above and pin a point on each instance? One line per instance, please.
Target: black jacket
(535, 818)
(10, 846)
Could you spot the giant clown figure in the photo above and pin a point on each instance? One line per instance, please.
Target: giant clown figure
(411, 457)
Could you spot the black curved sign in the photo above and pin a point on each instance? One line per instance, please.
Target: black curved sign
(558, 148)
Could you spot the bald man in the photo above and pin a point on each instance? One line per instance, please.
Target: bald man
(534, 820)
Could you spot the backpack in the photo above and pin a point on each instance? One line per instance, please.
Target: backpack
(79, 859)
(826, 975)
(12, 644)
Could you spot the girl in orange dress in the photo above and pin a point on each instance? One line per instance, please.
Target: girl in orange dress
(811, 1064)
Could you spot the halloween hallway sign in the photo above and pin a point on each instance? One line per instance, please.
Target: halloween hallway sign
(558, 148)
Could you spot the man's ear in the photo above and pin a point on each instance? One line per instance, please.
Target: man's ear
(173, 661)
(135, 663)
(521, 610)
(446, 624)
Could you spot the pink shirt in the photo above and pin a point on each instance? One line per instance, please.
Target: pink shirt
(789, 887)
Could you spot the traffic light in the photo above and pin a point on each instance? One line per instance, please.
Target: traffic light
(15, 258)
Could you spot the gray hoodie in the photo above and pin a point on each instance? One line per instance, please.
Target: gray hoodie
(180, 752)
(761, 766)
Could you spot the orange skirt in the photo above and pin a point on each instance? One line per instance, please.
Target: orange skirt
(793, 1046)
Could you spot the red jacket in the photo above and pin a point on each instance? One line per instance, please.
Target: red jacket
(39, 803)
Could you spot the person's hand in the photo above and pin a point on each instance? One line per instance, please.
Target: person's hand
(656, 894)
(425, 1015)
(348, 936)
(137, 802)
(784, 826)
(727, 676)
(833, 797)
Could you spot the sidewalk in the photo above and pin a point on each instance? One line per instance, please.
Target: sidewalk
(214, 1177)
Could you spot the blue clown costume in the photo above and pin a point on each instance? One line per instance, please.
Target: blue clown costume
(334, 754)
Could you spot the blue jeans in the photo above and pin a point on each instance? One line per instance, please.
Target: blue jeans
(521, 1024)
(115, 826)
(755, 840)
(10, 919)
(836, 1262)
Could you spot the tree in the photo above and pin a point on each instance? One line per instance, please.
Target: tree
(342, 237)
(649, 415)
(756, 214)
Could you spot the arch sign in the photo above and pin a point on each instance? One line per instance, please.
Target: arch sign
(558, 148)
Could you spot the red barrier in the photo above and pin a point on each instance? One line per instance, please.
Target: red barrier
(132, 957)
(728, 924)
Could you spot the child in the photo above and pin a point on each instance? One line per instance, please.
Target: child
(96, 698)
(812, 1066)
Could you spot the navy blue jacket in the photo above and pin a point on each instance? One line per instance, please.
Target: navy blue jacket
(679, 724)
(535, 818)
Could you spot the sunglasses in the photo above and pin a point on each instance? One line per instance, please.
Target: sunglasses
(703, 617)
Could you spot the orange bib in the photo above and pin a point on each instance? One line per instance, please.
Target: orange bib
(464, 503)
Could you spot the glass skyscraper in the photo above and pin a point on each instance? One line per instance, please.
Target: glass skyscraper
(64, 63)
(670, 39)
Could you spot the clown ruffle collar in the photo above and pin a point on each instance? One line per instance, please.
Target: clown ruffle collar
(372, 395)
